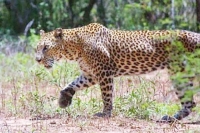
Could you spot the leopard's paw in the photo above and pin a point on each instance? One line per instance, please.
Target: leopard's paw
(100, 114)
(65, 98)
(167, 119)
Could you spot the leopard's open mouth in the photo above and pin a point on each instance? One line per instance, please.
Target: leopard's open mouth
(48, 67)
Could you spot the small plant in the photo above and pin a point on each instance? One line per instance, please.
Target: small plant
(185, 69)
(138, 102)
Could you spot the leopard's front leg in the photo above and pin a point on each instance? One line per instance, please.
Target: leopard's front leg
(106, 85)
(82, 82)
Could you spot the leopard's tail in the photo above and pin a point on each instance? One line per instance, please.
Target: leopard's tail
(191, 40)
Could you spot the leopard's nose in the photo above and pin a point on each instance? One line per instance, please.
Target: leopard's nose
(38, 59)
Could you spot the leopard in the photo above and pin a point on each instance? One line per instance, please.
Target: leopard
(103, 54)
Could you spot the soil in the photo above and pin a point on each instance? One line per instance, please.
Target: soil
(90, 124)
(93, 125)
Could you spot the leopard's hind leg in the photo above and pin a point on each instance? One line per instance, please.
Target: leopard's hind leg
(183, 83)
(185, 94)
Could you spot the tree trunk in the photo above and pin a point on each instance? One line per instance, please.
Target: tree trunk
(101, 12)
(20, 13)
(198, 14)
(87, 10)
(71, 13)
(118, 21)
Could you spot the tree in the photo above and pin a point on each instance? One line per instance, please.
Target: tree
(198, 14)
(87, 10)
(20, 13)
(123, 14)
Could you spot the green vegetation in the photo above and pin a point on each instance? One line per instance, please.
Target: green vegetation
(34, 89)
(27, 89)
(18, 16)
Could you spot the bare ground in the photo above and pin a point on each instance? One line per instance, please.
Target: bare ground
(115, 124)
(93, 125)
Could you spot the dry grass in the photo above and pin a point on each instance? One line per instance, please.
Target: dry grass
(28, 102)
(91, 125)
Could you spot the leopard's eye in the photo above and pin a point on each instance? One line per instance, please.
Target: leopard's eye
(45, 48)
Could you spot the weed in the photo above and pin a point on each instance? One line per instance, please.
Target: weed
(27, 89)
(35, 90)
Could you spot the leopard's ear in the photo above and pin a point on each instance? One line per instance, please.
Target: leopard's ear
(41, 32)
(58, 33)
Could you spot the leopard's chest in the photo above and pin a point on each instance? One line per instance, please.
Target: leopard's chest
(85, 66)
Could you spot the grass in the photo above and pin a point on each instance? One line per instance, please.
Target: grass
(29, 91)
(35, 90)
(30, 86)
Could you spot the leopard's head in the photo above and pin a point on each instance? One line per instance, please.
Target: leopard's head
(49, 47)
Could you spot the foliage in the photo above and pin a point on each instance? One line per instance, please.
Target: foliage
(22, 79)
(35, 90)
(189, 77)
(123, 14)
(28, 85)
(137, 103)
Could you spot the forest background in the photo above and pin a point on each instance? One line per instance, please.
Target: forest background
(27, 90)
